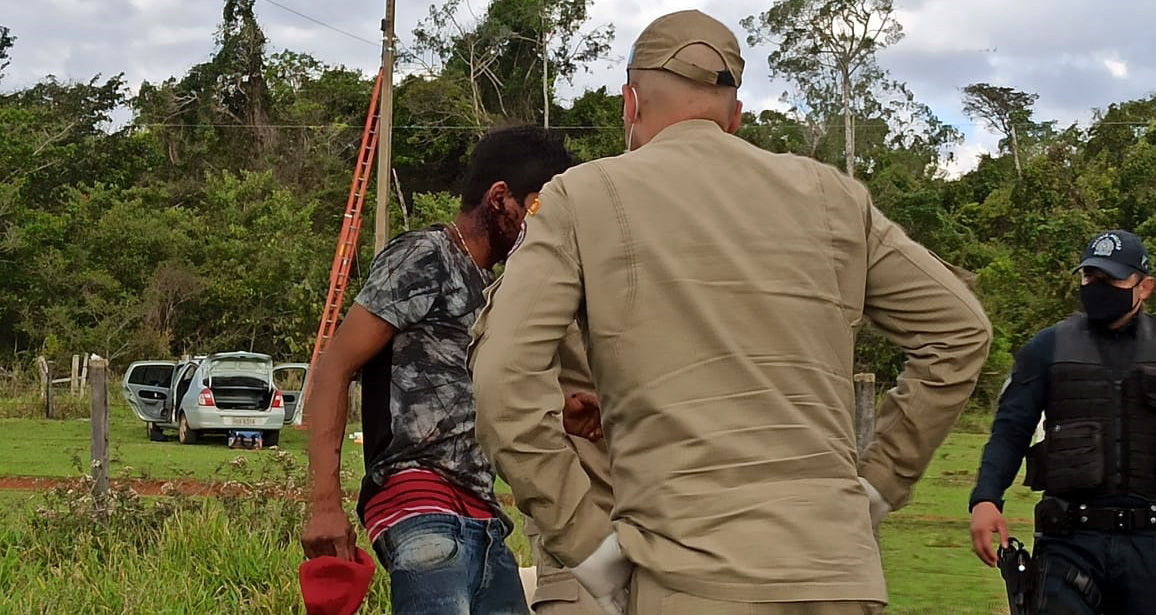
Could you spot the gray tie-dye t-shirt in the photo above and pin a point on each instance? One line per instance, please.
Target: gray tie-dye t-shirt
(426, 286)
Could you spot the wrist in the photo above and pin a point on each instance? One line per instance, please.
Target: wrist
(977, 503)
(325, 501)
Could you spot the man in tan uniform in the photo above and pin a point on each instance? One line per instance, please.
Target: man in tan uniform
(556, 591)
(719, 287)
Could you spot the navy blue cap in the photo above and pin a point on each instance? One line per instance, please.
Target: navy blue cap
(1117, 253)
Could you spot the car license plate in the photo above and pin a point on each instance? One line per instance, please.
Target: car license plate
(240, 420)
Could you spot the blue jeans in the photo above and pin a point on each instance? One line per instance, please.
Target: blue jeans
(450, 565)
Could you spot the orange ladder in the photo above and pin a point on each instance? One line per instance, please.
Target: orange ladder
(347, 240)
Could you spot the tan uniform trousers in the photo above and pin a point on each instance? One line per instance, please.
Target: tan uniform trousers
(558, 592)
(647, 597)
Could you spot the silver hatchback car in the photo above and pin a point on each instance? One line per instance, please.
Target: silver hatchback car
(219, 393)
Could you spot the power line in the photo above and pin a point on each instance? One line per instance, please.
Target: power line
(871, 126)
(303, 126)
(858, 127)
(400, 46)
(323, 24)
(348, 126)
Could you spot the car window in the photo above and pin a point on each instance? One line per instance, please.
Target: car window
(241, 366)
(152, 375)
(289, 378)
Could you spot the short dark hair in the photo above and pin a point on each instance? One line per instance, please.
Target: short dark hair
(525, 157)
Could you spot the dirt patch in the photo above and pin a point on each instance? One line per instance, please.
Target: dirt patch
(157, 487)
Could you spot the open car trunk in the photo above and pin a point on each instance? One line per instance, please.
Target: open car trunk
(241, 383)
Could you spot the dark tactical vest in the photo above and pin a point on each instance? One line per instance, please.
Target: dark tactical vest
(1101, 426)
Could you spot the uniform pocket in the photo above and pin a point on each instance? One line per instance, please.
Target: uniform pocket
(558, 587)
(1035, 475)
(1148, 384)
(1075, 456)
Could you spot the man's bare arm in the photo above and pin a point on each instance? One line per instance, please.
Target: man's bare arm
(359, 338)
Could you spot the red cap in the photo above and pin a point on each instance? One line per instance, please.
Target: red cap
(335, 586)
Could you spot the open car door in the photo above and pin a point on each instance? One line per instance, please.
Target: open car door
(147, 386)
(289, 378)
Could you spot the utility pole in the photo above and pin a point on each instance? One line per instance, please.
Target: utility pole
(385, 140)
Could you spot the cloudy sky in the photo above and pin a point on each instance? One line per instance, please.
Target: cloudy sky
(1076, 54)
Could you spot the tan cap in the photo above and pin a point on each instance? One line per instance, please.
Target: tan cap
(661, 41)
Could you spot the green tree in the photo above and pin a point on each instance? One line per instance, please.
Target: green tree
(1002, 109)
(55, 144)
(437, 128)
(828, 48)
(1116, 128)
(508, 62)
(321, 110)
(241, 89)
(467, 54)
(6, 42)
(776, 131)
(424, 209)
(55, 134)
(221, 108)
(596, 118)
(547, 41)
(265, 273)
(90, 266)
(1120, 159)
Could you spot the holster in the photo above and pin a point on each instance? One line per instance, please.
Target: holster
(1017, 568)
(1052, 518)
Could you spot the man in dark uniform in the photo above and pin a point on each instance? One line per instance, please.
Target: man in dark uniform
(1095, 375)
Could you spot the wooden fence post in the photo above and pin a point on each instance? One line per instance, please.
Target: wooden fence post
(865, 418)
(74, 377)
(45, 384)
(99, 405)
(354, 412)
(84, 374)
(864, 411)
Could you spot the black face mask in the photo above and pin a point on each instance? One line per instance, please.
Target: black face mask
(1105, 304)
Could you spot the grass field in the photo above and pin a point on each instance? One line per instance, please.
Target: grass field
(40, 447)
(243, 551)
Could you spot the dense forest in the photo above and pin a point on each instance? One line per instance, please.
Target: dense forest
(208, 221)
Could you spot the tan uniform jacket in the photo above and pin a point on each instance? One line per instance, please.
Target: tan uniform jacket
(719, 287)
(557, 590)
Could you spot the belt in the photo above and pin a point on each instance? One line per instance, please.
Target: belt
(1082, 516)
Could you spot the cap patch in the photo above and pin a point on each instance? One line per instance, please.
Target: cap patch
(1107, 245)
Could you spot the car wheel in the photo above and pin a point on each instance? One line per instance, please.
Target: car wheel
(185, 434)
(270, 438)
